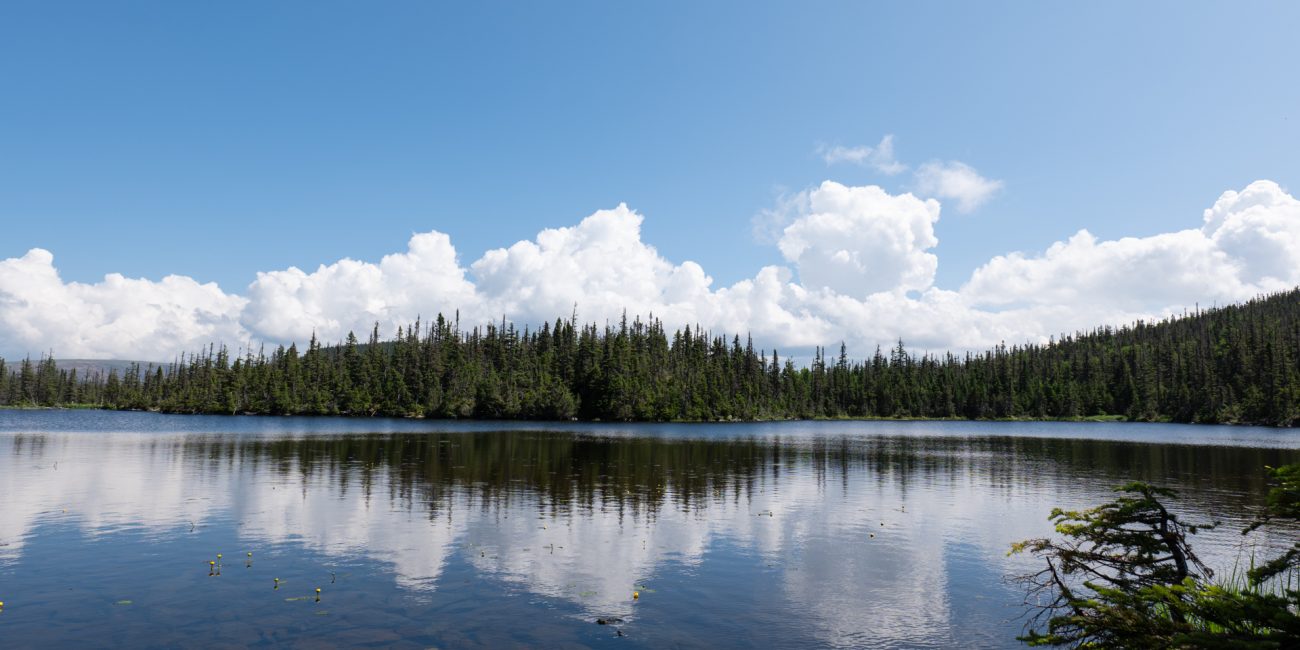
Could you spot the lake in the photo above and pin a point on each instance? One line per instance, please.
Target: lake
(511, 534)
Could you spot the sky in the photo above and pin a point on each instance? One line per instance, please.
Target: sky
(954, 174)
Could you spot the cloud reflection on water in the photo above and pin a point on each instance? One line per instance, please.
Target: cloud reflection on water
(584, 518)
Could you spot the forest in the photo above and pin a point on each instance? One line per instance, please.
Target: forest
(1231, 364)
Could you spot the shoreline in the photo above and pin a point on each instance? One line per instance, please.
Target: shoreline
(1079, 419)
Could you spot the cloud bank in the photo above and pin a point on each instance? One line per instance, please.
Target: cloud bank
(859, 268)
(116, 318)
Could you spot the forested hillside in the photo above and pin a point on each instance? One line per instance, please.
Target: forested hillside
(1234, 364)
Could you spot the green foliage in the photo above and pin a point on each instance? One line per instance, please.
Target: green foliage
(1283, 503)
(1111, 575)
(1238, 364)
(1123, 575)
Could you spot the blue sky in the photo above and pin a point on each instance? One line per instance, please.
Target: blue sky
(216, 140)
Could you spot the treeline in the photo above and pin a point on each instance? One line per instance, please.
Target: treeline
(1235, 364)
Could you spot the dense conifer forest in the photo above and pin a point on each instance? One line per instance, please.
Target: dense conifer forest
(1234, 364)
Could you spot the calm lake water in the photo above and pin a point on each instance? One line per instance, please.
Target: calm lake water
(444, 534)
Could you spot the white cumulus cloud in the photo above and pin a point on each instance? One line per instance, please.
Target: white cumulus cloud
(861, 240)
(952, 180)
(956, 181)
(119, 317)
(1259, 228)
(601, 266)
(880, 157)
(860, 268)
(351, 296)
(1249, 244)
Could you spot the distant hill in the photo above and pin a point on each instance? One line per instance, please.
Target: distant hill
(88, 368)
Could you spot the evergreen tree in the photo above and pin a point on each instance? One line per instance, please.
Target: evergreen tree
(1236, 364)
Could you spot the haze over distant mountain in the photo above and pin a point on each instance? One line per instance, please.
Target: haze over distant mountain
(88, 368)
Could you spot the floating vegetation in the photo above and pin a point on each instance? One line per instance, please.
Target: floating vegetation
(124, 602)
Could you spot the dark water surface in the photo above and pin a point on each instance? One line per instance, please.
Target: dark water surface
(442, 534)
